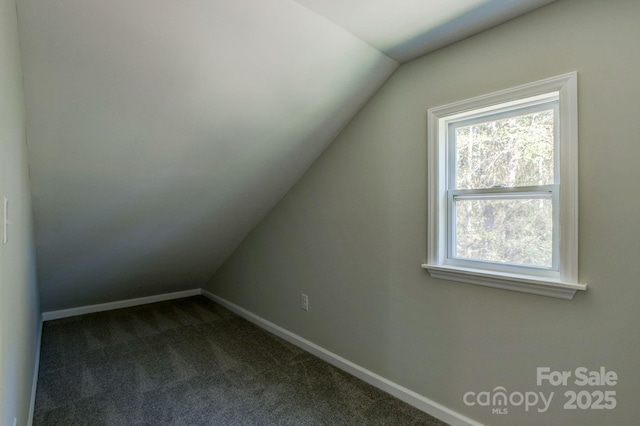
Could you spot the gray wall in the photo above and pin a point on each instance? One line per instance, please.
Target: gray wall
(19, 306)
(352, 232)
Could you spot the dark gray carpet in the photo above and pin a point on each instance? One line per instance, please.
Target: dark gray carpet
(192, 362)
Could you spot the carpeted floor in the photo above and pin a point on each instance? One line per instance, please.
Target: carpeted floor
(192, 362)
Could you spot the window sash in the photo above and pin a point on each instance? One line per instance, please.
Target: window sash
(533, 105)
(523, 193)
(530, 107)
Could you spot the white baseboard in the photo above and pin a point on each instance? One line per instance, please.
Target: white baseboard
(422, 403)
(64, 313)
(36, 370)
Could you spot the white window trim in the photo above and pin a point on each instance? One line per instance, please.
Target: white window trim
(562, 284)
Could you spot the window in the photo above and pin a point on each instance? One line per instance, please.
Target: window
(503, 208)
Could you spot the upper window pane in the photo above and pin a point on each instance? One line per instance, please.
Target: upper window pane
(511, 151)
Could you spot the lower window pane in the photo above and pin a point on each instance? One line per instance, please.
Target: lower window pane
(513, 231)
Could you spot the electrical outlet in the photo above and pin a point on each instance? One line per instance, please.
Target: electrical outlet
(304, 302)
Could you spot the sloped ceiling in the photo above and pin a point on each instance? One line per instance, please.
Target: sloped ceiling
(161, 131)
(406, 29)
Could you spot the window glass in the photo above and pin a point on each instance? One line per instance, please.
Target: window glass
(512, 151)
(513, 231)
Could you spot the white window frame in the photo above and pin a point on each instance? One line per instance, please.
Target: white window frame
(561, 280)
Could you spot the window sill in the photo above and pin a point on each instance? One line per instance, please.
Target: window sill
(533, 285)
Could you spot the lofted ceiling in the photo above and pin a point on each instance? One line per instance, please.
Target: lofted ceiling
(161, 131)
